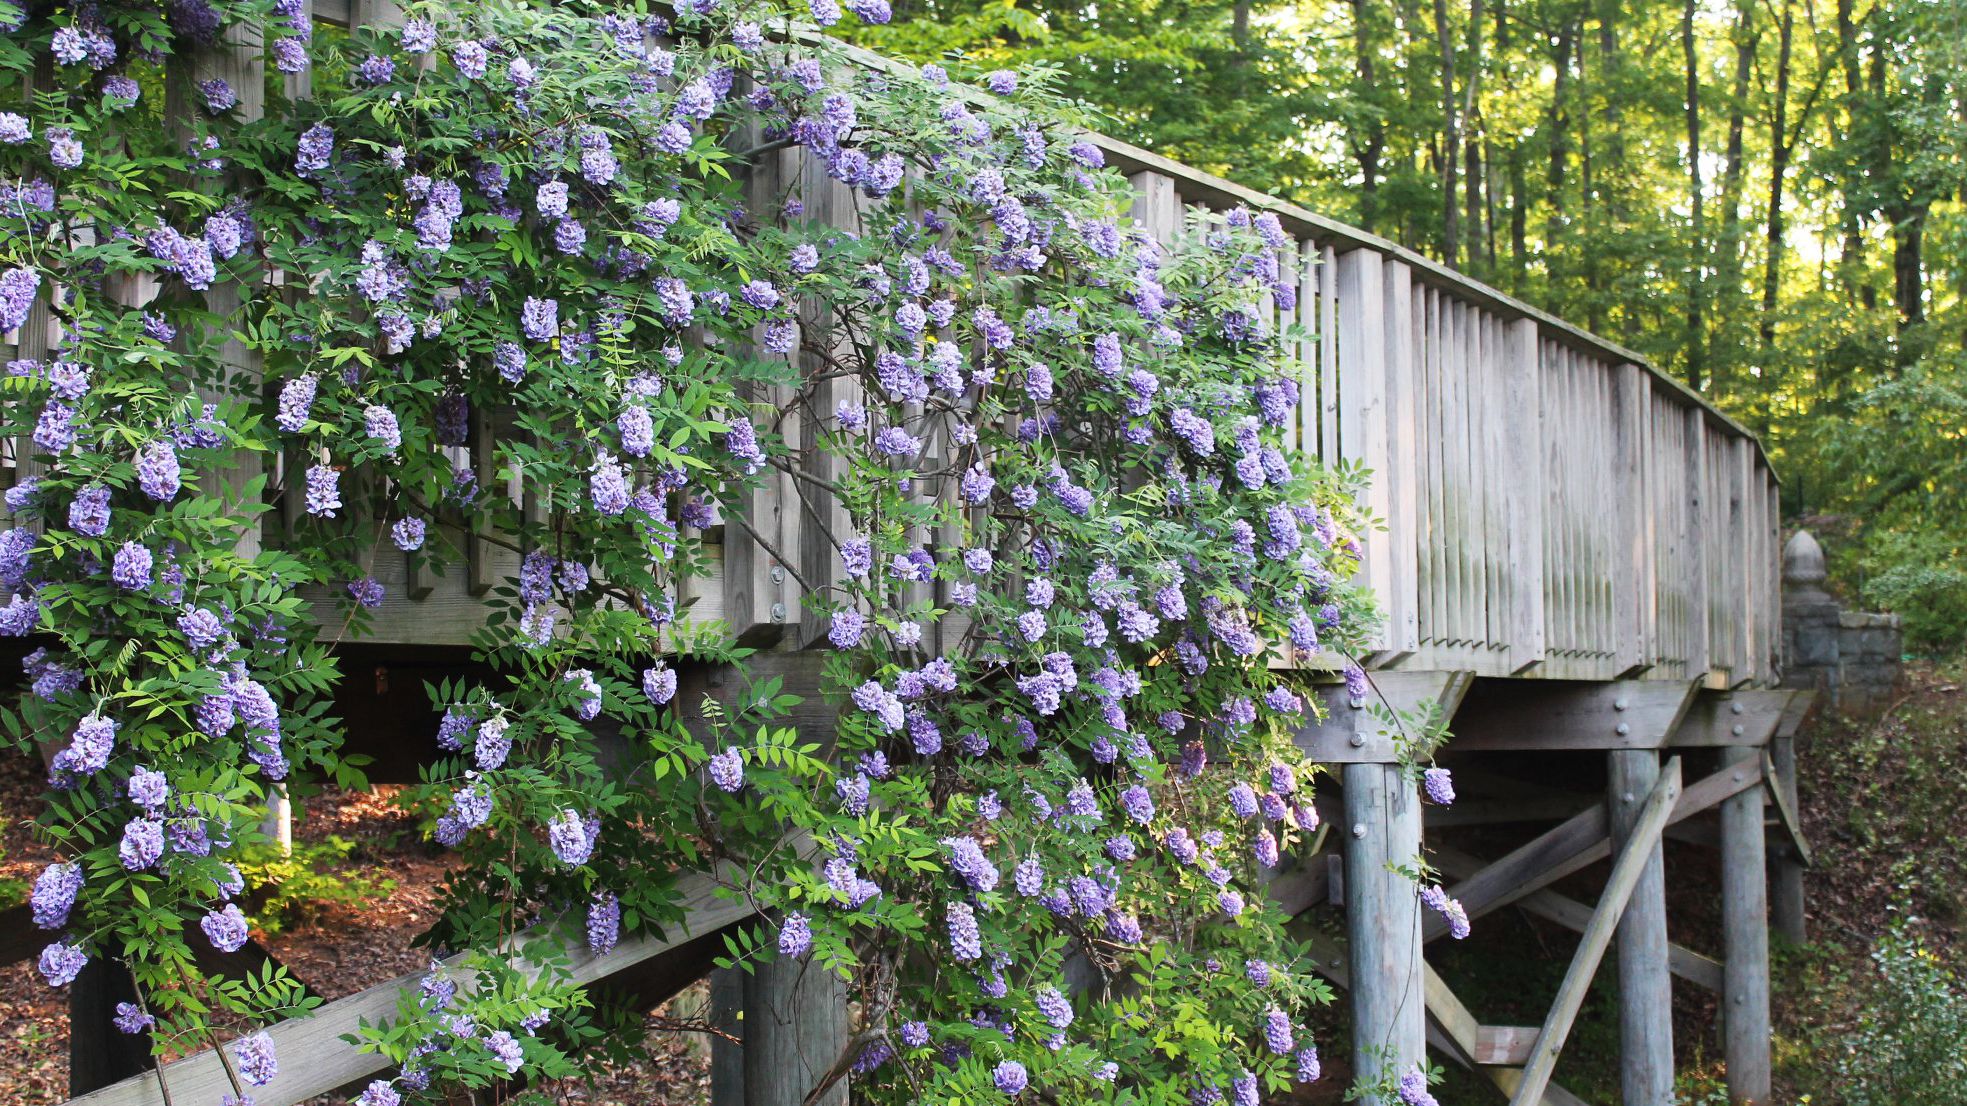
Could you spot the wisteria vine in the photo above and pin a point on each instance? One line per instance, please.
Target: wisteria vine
(1071, 546)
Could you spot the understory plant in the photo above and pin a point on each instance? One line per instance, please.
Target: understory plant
(573, 283)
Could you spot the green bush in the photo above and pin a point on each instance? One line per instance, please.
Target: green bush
(313, 877)
(1922, 577)
(1909, 1046)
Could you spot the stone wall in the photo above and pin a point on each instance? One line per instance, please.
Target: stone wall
(1851, 658)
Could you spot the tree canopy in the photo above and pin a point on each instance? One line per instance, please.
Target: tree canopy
(1764, 196)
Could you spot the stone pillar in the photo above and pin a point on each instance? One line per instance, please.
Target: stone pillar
(1850, 658)
(1811, 634)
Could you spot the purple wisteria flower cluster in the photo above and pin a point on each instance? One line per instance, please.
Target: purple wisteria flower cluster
(1056, 540)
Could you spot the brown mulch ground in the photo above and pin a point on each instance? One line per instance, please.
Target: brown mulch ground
(336, 948)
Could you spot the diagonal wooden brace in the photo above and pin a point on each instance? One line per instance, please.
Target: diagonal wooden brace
(1626, 870)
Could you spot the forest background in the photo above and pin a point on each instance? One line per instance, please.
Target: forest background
(1763, 196)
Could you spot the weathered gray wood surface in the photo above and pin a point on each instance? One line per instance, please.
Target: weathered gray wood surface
(1645, 985)
(1383, 919)
(1638, 850)
(1745, 937)
(330, 1063)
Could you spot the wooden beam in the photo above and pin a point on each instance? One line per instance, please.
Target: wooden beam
(332, 1063)
(1493, 812)
(1383, 919)
(1745, 939)
(1451, 1029)
(1645, 985)
(1731, 718)
(1700, 970)
(1785, 813)
(1578, 843)
(1570, 715)
(1352, 733)
(1626, 872)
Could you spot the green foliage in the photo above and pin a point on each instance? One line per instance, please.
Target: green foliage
(297, 886)
(1808, 270)
(1070, 543)
(1909, 1045)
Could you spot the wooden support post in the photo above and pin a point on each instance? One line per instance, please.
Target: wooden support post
(1785, 865)
(99, 1054)
(727, 987)
(1745, 937)
(795, 1018)
(1645, 986)
(1383, 920)
(1644, 837)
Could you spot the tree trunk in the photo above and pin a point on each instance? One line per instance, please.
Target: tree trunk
(1370, 149)
(1908, 267)
(1779, 150)
(1451, 154)
(1696, 269)
(1472, 173)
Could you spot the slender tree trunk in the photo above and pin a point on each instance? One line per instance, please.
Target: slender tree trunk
(1908, 266)
(1728, 282)
(1369, 148)
(1472, 173)
(1779, 150)
(1451, 153)
(1851, 256)
(1697, 268)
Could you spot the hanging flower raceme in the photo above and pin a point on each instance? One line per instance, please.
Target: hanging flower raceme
(542, 330)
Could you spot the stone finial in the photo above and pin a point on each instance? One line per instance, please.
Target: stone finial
(1803, 560)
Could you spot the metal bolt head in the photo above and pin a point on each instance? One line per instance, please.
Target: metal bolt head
(778, 612)
(1734, 708)
(1357, 702)
(1619, 704)
(1738, 777)
(1737, 730)
(1357, 741)
(1358, 829)
(1622, 729)
(778, 574)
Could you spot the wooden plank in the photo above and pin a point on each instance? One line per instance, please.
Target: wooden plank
(1745, 1028)
(1626, 872)
(1434, 533)
(1508, 1045)
(1557, 715)
(1696, 557)
(1721, 718)
(1785, 810)
(1403, 474)
(1577, 843)
(1525, 500)
(1328, 353)
(1351, 734)
(1497, 474)
(332, 1063)
(1363, 415)
(1157, 206)
(1696, 968)
(1636, 519)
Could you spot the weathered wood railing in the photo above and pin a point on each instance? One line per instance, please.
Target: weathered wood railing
(1555, 506)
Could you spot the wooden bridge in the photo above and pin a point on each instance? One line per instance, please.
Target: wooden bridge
(1580, 561)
